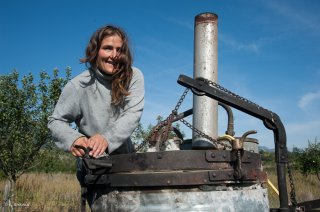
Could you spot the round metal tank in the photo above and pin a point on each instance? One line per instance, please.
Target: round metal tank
(213, 198)
(226, 196)
(251, 144)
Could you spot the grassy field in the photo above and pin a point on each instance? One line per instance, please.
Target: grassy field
(46, 192)
(306, 187)
(61, 192)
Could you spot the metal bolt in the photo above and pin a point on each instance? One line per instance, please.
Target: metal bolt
(213, 155)
(168, 182)
(214, 175)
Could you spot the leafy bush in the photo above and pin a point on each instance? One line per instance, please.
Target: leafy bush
(24, 110)
(54, 160)
(309, 159)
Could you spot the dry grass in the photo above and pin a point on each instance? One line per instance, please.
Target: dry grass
(61, 192)
(46, 192)
(306, 187)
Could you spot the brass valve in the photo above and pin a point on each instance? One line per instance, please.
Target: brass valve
(237, 143)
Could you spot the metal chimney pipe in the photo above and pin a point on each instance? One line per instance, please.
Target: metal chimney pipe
(205, 109)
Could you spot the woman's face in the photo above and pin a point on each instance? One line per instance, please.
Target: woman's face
(108, 54)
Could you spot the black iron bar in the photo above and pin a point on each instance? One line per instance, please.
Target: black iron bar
(271, 121)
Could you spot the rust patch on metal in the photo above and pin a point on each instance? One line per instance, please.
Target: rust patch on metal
(178, 168)
(206, 17)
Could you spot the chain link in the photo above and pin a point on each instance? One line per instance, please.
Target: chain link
(221, 88)
(202, 134)
(163, 123)
(213, 84)
(183, 96)
(168, 121)
(292, 192)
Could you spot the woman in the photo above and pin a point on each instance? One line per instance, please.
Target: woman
(105, 102)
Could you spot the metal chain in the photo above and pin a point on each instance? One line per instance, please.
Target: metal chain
(292, 192)
(165, 122)
(238, 169)
(200, 133)
(175, 112)
(183, 96)
(221, 88)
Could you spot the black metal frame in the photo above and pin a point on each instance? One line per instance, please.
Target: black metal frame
(174, 168)
(270, 120)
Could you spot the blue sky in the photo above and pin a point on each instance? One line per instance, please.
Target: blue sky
(268, 52)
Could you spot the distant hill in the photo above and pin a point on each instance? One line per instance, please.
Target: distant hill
(266, 149)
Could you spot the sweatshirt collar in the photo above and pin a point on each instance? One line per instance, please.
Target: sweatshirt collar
(103, 76)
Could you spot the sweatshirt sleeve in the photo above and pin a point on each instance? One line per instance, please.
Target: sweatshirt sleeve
(122, 129)
(66, 111)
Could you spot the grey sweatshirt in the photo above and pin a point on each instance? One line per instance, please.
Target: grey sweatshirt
(86, 101)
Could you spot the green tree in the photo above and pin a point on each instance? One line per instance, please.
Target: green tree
(140, 135)
(53, 160)
(24, 110)
(267, 157)
(309, 159)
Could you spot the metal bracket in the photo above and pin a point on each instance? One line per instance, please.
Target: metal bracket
(271, 120)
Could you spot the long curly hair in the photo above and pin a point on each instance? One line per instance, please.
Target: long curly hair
(122, 78)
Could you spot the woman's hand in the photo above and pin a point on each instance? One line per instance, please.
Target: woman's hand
(98, 144)
(82, 141)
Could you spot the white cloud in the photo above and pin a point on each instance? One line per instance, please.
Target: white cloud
(299, 133)
(303, 127)
(308, 98)
(185, 24)
(236, 45)
(299, 18)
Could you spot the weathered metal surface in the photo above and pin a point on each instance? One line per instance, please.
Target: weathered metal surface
(206, 17)
(205, 110)
(182, 160)
(309, 205)
(216, 198)
(163, 179)
(176, 168)
(251, 145)
(271, 121)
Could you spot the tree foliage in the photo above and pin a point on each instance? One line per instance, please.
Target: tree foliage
(267, 157)
(24, 110)
(309, 159)
(141, 134)
(54, 160)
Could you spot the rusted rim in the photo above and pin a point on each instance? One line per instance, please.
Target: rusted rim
(206, 17)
